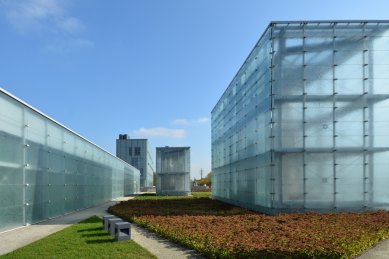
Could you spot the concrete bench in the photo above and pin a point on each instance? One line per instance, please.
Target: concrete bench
(122, 231)
(105, 221)
(111, 225)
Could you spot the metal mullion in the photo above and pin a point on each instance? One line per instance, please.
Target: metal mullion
(365, 90)
(272, 159)
(334, 116)
(46, 168)
(370, 119)
(24, 165)
(304, 123)
(64, 172)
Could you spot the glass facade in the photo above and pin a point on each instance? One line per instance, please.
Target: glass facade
(47, 170)
(303, 124)
(173, 171)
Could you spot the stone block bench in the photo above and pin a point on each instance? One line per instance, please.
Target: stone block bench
(122, 231)
(105, 221)
(117, 227)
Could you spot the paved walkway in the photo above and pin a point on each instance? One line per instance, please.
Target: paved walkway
(380, 251)
(162, 248)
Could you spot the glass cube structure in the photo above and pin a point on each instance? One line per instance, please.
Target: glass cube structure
(304, 123)
(47, 170)
(173, 171)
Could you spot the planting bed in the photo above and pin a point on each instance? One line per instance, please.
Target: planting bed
(153, 196)
(219, 230)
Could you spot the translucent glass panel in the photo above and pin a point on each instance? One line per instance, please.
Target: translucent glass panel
(288, 178)
(318, 126)
(379, 191)
(47, 170)
(172, 160)
(11, 164)
(379, 134)
(327, 122)
(288, 126)
(319, 180)
(173, 171)
(173, 184)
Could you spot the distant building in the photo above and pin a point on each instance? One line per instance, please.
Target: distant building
(173, 171)
(136, 152)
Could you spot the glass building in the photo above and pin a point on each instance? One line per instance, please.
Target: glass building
(173, 171)
(47, 170)
(304, 123)
(137, 153)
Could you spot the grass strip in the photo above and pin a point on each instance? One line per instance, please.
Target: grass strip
(83, 240)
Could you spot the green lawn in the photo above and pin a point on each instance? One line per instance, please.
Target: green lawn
(152, 196)
(83, 240)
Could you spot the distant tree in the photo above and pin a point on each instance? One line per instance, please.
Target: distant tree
(207, 180)
(209, 177)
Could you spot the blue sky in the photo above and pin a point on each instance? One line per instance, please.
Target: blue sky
(152, 69)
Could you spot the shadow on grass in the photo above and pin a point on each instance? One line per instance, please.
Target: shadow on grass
(95, 235)
(100, 241)
(99, 236)
(147, 194)
(93, 219)
(89, 229)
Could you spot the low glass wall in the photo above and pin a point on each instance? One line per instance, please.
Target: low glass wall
(47, 170)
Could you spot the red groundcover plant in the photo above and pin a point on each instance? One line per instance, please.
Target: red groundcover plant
(219, 230)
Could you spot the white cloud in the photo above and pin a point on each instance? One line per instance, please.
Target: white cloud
(67, 45)
(58, 29)
(72, 25)
(187, 122)
(34, 9)
(181, 122)
(160, 132)
(26, 15)
(203, 120)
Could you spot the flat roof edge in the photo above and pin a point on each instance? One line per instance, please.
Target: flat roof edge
(292, 22)
(244, 62)
(172, 147)
(329, 21)
(59, 124)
